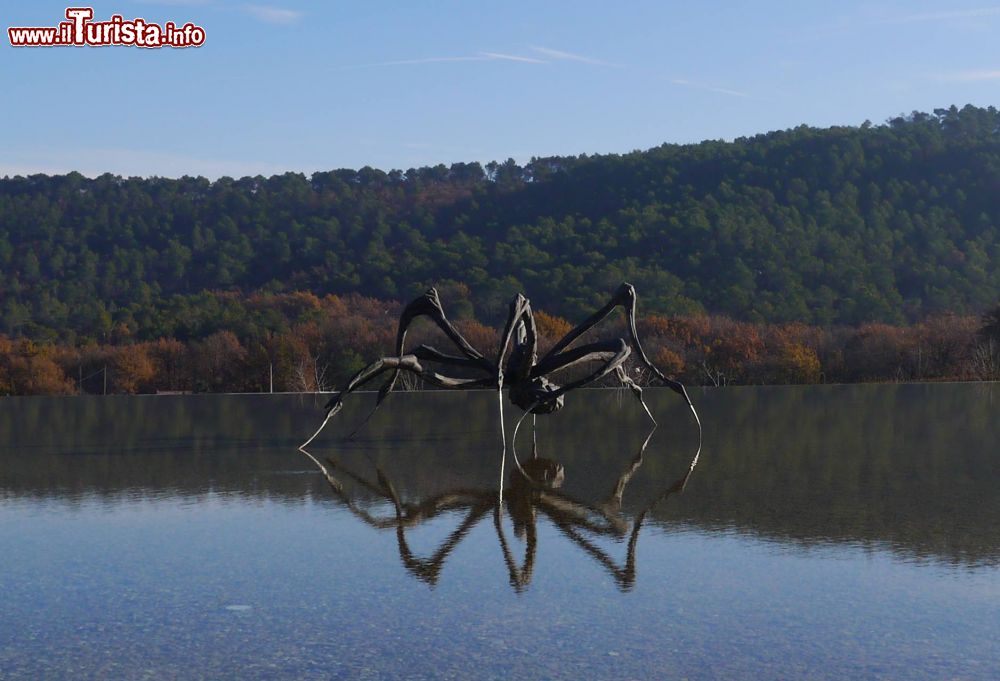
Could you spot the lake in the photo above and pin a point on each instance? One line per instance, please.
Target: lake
(838, 532)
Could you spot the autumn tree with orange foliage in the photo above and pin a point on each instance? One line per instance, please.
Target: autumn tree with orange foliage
(550, 329)
(6, 382)
(132, 369)
(218, 363)
(943, 343)
(172, 365)
(29, 369)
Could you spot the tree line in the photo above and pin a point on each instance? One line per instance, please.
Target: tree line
(299, 342)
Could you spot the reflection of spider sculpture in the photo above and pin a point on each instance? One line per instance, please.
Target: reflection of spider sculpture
(532, 493)
(525, 374)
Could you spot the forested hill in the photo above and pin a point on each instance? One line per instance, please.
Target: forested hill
(844, 225)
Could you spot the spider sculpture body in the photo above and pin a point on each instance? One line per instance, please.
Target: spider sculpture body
(525, 374)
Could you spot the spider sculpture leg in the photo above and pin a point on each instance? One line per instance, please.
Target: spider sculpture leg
(582, 521)
(520, 321)
(612, 354)
(534, 437)
(626, 298)
(520, 576)
(427, 305)
(476, 503)
(636, 390)
(411, 363)
(577, 519)
(591, 352)
(429, 569)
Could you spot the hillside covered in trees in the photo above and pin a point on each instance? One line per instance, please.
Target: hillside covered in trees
(846, 254)
(886, 223)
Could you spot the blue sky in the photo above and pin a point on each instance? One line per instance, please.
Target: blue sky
(305, 86)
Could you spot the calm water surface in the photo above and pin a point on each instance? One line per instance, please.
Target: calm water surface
(827, 532)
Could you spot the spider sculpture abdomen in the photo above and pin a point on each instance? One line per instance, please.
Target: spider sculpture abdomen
(536, 396)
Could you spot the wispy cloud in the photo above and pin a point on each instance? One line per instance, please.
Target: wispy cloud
(425, 60)
(560, 55)
(481, 56)
(879, 19)
(546, 55)
(945, 15)
(512, 57)
(273, 15)
(968, 76)
(708, 88)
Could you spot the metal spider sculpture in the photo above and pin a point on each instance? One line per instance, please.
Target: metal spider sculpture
(527, 376)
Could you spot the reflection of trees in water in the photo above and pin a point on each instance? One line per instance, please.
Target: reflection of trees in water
(909, 467)
(530, 494)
